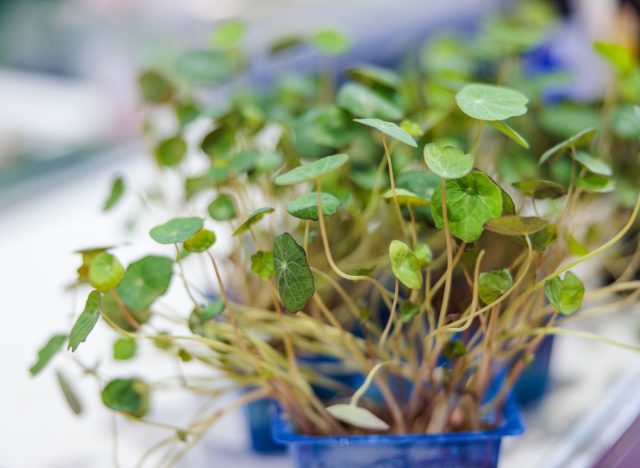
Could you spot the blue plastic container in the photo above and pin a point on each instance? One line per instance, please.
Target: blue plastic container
(534, 379)
(453, 450)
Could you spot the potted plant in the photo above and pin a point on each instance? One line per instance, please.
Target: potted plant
(380, 245)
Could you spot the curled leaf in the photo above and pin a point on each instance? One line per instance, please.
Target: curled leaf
(405, 265)
(513, 225)
(565, 294)
(253, 218)
(390, 129)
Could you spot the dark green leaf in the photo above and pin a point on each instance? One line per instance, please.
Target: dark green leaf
(565, 295)
(294, 278)
(405, 265)
(113, 310)
(200, 241)
(86, 321)
(50, 349)
(145, 280)
(105, 272)
(543, 238)
(540, 189)
(490, 102)
(155, 88)
(390, 129)
(512, 225)
(176, 230)
(253, 218)
(312, 170)
(124, 348)
(447, 161)
(130, 396)
(493, 284)
(306, 205)
(262, 264)
(117, 189)
(454, 349)
(69, 394)
(596, 183)
(171, 152)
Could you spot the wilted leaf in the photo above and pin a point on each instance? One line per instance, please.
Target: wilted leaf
(565, 295)
(86, 320)
(293, 275)
(357, 417)
(405, 265)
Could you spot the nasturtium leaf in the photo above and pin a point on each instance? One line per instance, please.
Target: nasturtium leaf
(86, 320)
(367, 103)
(508, 207)
(253, 218)
(543, 238)
(408, 311)
(115, 194)
(293, 275)
(423, 254)
(262, 264)
(328, 126)
(565, 295)
(513, 225)
(176, 230)
(113, 311)
(155, 88)
(405, 265)
(423, 184)
(228, 35)
(268, 161)
(200, 241)
(222, 208)
(306, 205)
(371, 74)
(124, 348)
(171, 152)
(105, 272)
(593, 164)
(596, 183)
(357, 417)
(618, 56)
(471, 201)
(219, 143)
(579, 139)
(510, 132)
(390, 129)
(130, 396)
(453, 349)
(540, 189)
(411, 127)
(493, 284)
(187, 112)
(490, 102)
(50, 349)
(145, 280)
(330, 42)
(69, 393)
(206, 65)
(312, 170)
(405, 197)
(574, 246)
(212, 309)
(447, 161)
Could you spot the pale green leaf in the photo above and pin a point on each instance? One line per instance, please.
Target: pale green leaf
(447, 161)
(46, 353)
(312, 170)
(200, 241)
(330, 42)
(228, 35)
(262, 264)
(124, 349)
(145, 280)
(593, 164)
(490, 102)
(405, 265)
(510, 132)
(390, 129)
(405, 197)
(115, 194)
(176, 230)
(565, 295)
(306, 205)
(357, 417)
(579, 139)
(105, 272)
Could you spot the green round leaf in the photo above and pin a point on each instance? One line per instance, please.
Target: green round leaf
(447, 161)
(493, 284)
(306, 206)
(423, 254)
(293, 275)
(171, 152)
(364, 102)
(513, 225)
(405, 265)
(540, 189)
(155, 88)
(391, 129)
(579, 139)
(228, 35)
(222, 208)
(262, 264)
(565, 295)
(312, 170)
(200, 241)
(130, 396)
(253, 218)
(490, 102)
(117, 189)
(105, 272)
(145, 280)
(471, 201)
(86, 320)
(357, 417)
(176, 230)
(124, 349)
(330, 42)
(112, 310)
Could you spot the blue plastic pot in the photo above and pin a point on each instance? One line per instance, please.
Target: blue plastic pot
(452, 450)
(534, 379)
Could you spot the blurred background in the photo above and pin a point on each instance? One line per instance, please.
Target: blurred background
(68, 122)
